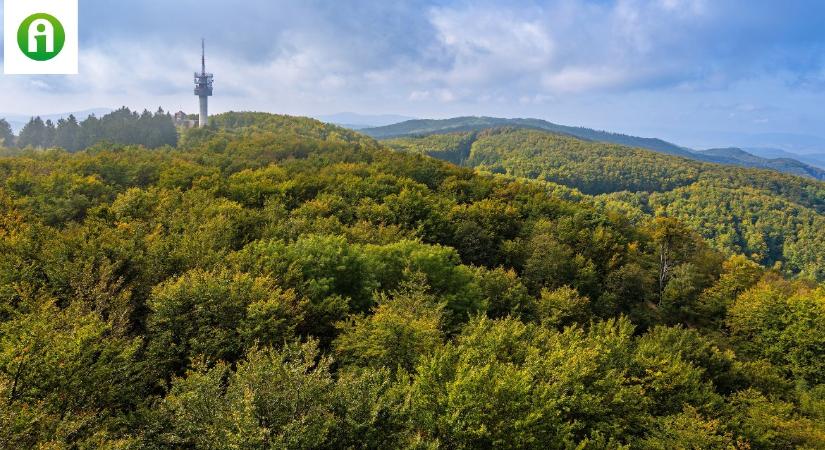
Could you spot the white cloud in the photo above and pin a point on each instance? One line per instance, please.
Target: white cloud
(584, 79)
(428, 57)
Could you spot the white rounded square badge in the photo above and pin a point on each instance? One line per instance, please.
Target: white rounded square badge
(40, 37)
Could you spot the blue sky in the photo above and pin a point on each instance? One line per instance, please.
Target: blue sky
(698, 72)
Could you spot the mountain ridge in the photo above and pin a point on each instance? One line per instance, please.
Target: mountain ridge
(422, 127)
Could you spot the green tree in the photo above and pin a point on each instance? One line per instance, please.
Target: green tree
(783, 322)
(561, 307)
(67, 134)
(274, 399)
(217, 316)
(505, 294)
(738, 275)
(6, 134)
(34, 134)
(404, 326)
(64, 375)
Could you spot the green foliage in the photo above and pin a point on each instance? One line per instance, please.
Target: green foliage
(217, 316)
(119, 127)
(505, 294)
(738, 275)
(404, 326)
(784, 323)
(688, 430)
(64, 374)
(561, 307)
(6, 134)
(765, 215)
(274, 399)
(504, 383)
(773, 424)
(160, 298)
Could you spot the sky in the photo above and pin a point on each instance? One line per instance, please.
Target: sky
(700, 73)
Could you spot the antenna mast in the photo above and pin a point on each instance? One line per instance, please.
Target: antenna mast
(203, 55)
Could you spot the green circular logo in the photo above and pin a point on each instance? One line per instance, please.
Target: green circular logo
(41, 37)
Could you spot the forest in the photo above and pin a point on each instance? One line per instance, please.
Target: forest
(121, 126)
(772, 218)
(276, 282)
(470, 125)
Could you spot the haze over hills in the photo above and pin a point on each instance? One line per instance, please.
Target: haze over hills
(17, 121)
(796, 143)
(740, 157)
(733, 156)
(356, 121)
(814, 159)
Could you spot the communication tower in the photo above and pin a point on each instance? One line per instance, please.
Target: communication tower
(203, 88)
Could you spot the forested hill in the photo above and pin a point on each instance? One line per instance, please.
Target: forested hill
(457, 124)
(274, 282)
(769, 216)
(737, 157)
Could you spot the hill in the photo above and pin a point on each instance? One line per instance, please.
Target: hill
(428, 126)
(737, 156)
(775, 217)
(814, 159)
(277, 282)
(360, 121)
(465, 124)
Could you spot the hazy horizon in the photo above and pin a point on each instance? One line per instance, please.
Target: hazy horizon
(694, 72)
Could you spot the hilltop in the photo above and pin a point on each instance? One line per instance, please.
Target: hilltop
(463, 124)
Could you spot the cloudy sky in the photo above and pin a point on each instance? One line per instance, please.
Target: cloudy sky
(698, 72)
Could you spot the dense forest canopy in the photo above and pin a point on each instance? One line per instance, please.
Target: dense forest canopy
(768, 216)
(274, 282)
(121, 126)
(732, 156)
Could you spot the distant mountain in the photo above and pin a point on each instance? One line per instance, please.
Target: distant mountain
(814, 159)
(18, 121)
(430, 126)
(357, 121)
(799, 144)
(739, 157)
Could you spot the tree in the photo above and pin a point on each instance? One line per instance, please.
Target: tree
(155, 299)
(688, 429)
(67, 135)
(49, 134)
(6, 134)
(783, 322)
(274, 399)
(561, 307)
(505, 294)
(404, 326)
(502, 383)
(217, 316)
(34, 134)
(64, 374)
(738, 275)
(674, 245)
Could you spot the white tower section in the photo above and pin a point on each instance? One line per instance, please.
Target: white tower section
(203, 88)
